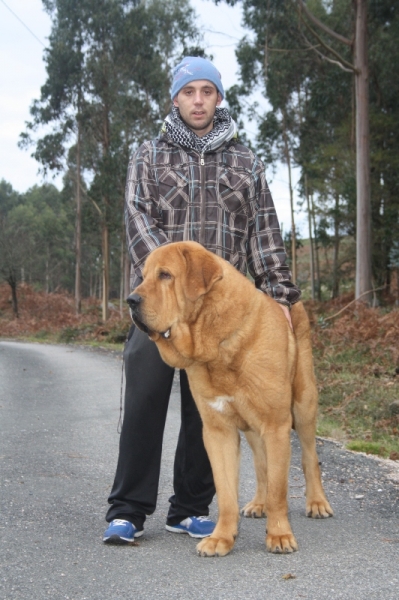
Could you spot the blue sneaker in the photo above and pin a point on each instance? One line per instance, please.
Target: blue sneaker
(196, 527)
(121, 532)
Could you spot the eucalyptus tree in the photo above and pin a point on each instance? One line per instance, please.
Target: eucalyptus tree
(355, 42)
(363, 38)
(358, 43)
(108, 73)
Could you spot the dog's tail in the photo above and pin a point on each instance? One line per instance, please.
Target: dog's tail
(305, 395)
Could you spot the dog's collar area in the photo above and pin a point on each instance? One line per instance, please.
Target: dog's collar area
(166, 334)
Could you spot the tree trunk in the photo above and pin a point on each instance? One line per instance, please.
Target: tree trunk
(311, 255)
(78, 230)
(335, 281)
(316, 248)
(47, 275)
(363, 201)
(12, 282)
(105, 290)
(293, 233)
(127, 274)
(14, 300)
(122, 290)
(394, 285)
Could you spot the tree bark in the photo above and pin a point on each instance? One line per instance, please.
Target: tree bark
(311, 255)
(47, 273)
(363, 201)
(293, 232)
(12, 282)
(335, 281)
(316, 248)
(122, 290)
(105, 286)
(78, 230)
(127, 274)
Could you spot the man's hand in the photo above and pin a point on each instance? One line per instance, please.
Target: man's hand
(287, 314)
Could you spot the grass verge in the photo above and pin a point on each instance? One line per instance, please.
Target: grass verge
(358, 386)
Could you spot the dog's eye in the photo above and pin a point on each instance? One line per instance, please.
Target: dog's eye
(164, 275)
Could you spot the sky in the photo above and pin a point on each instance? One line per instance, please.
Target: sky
(24, 33)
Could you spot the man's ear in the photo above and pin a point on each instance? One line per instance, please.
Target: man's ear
(175, 101)
(219, 101)
(202, 272)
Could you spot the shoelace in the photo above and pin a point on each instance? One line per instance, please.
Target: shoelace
(203, 519)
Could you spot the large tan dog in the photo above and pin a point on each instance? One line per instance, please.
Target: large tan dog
(247, 371)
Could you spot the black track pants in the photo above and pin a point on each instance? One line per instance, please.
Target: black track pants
(134, 493)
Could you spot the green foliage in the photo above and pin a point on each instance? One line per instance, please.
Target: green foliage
(68, 335)
(12, 251)
(37, 236)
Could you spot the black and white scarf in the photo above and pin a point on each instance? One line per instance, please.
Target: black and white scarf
(224, 129)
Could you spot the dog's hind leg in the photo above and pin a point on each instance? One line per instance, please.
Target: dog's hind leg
(305, 415)
(223, 446)
(257, 508)
(305, 409)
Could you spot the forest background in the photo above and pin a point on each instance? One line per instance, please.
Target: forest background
(63, 256)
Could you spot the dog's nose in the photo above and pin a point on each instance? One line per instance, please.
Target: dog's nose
(133, 300)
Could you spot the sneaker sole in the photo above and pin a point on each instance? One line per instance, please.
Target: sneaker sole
(193, 535)
(120, 541)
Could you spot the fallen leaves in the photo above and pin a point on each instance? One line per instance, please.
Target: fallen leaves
(53, 313)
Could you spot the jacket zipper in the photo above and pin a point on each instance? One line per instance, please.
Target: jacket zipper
(203, 200)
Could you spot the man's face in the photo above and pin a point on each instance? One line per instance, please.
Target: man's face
(197, 102)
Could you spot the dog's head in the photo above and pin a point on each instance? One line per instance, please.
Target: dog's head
(175, 278)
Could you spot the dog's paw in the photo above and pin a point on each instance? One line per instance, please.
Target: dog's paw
(281, 544)
(319, 509)
(254, 510)
(214, 546)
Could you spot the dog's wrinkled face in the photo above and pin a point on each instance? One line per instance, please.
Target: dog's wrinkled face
(153, 304)
(175, 276)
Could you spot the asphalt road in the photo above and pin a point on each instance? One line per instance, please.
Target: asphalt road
(58, 450)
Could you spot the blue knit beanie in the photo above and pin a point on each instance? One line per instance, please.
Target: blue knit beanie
(193, 68)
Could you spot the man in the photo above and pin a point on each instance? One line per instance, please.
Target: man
(194, 182)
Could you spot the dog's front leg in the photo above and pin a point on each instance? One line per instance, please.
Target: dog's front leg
(223, 447)
(279, 536)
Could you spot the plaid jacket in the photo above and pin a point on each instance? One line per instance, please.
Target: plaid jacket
(219, 199)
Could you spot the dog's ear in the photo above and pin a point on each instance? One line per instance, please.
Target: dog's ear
(202, 272)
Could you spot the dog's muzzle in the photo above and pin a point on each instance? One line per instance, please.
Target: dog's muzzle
(134, 301)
